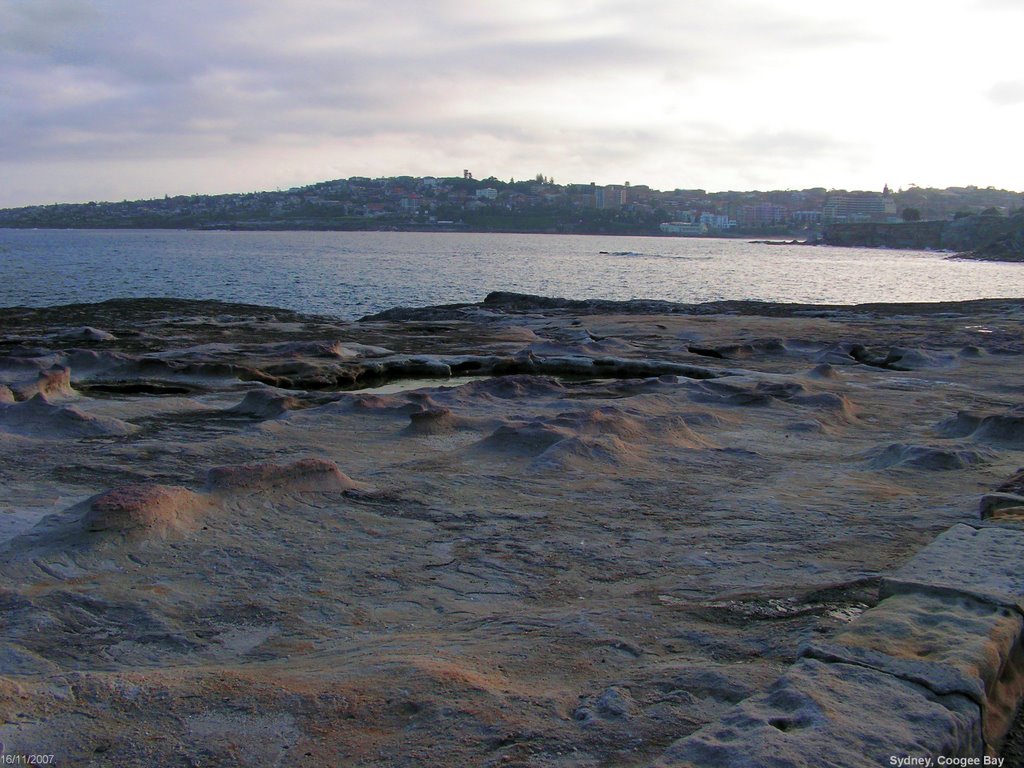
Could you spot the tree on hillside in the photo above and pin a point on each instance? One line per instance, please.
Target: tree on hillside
(911, 214)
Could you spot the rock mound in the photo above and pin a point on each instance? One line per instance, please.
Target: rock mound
(900, 359)
(607, 435)
(437, 421)
(839, 408)
(1003, 429)
(302, 475)
(54, 382)
(531, 438)
(824, 371)
(771, 346)
(392, 405)
(746, 392)
(264, 404)
(679, 431)
(512, 387)
(615, 703)
(582, 453)
(143, 508)
(38, 417)
(898, 456)
(606, 420)
(330, 349)
(972, 351)
(85, 333)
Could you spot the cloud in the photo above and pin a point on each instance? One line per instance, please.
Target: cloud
(44, 26)
(1007, 94)
(592, 87)
(188, 75)
(999, 5)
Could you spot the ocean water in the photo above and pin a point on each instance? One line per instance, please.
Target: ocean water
(350, 274)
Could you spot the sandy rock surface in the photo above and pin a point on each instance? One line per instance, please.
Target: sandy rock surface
(234, 535)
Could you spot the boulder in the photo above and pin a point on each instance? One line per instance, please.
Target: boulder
(836, 715)
(947, 643)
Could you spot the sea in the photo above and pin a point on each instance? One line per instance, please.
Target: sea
(352, 274)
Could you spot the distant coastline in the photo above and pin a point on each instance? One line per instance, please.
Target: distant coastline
(465, 204)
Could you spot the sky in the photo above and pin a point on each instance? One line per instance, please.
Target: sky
(129, 99)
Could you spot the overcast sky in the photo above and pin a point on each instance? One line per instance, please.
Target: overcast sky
(114, 99)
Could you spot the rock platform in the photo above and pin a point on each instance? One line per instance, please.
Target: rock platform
(524, 532)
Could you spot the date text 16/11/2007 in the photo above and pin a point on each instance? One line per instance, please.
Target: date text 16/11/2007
(25, 759)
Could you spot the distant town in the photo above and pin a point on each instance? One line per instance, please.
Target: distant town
(464, 203)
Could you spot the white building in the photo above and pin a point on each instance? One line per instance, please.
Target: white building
(716, 221)
(689, 228)
(853, 207)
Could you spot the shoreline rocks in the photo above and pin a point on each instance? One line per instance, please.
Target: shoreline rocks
(623, 521)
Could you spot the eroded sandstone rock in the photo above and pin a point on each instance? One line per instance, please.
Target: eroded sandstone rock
(148, 507)
(302, 475)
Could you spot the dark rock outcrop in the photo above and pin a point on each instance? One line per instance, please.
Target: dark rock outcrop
(993, 238)
(1008, 247)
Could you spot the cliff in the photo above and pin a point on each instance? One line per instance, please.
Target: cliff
(916, 235)
(983, 237)
(1006, 247)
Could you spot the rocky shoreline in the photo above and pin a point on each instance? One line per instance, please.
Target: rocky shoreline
(979, 237)
(241, 535)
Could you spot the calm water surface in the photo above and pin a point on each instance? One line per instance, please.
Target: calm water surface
(350, 274)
